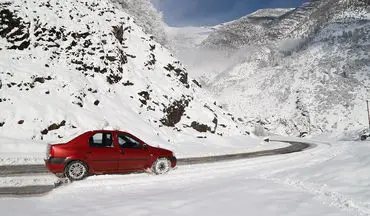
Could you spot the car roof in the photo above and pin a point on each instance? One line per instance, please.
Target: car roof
(107, 131)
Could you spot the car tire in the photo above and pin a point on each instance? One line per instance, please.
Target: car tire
(161, 166)
(76, 170)
(363, 137)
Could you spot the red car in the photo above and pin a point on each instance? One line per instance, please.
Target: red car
(105, 152)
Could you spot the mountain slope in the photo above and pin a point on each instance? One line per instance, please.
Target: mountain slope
(306, 72)
(72, 66)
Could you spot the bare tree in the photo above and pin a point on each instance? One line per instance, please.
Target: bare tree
(146, 16)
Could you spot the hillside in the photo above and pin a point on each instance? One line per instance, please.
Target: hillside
(306, 71)
(72, 66)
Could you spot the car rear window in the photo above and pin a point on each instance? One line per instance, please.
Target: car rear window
(101, 140)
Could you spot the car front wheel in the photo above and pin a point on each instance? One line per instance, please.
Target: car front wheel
(161, 166)
(76, 170)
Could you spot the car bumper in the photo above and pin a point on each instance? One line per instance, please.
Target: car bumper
(173, 161)
(55, 165)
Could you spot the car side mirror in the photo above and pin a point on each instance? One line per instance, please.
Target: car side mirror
(145, 146)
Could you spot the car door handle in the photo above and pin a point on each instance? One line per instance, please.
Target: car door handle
(89, 152)
(122, 152)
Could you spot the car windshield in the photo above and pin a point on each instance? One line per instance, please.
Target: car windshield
(126, 141)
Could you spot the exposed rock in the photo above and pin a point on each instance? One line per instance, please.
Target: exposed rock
(110, 58)
(197, 83)
(145, 97)
(14, 29)
(128, 83)
(56, 126)
(181, 73)
(200, 127)
(77, 35)
(53, 126)
(118, 33)
(152, 47)
(39, 79)
(174, 112)
(114, 78)
(152, 60)
(215, 121)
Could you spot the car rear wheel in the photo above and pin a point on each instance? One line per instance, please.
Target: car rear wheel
(161, 166)
(76, 170)
(363, 137)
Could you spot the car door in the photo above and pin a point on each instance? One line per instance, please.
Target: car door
(102, 154)
(133, 156)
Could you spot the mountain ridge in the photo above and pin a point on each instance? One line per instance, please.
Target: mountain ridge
(308, 72)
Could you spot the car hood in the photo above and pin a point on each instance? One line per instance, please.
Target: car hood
(161, 151)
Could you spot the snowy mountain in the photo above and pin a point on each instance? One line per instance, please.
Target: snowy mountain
(71, 66)
(299, 71)
(269, 25)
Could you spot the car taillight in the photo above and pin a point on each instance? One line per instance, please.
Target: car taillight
(48, 148)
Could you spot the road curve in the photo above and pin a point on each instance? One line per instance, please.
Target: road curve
(6, 171)
(294, 147)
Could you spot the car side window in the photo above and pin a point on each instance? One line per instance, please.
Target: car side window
(127, 141)
(101, 140)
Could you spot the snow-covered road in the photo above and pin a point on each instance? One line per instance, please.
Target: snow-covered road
(32, 179)
(331, 179)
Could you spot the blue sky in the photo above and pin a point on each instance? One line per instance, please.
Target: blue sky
(212, 12)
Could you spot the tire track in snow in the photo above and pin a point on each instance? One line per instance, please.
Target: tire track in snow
(6, 171)
(320, 191)
(27, 190)
(323, 194)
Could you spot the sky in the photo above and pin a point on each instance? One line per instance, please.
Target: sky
(213, 12)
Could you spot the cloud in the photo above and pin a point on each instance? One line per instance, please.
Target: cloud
(176, 11)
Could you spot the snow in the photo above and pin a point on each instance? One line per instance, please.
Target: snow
(268, 88)
(14, 151)
(331, 179)
(270, 12)
(19, 181)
